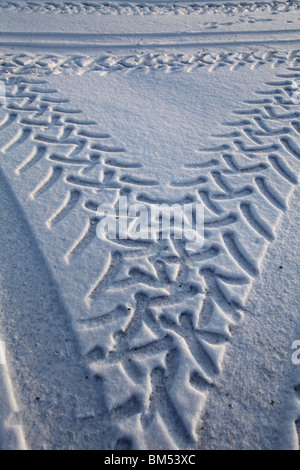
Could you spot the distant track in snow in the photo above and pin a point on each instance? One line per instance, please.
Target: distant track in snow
(54, 42)
(45, 64)
(149, 8)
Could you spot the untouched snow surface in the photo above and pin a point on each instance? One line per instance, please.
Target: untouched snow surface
(134, 344)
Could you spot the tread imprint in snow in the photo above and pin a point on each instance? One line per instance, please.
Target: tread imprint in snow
(119, 8)
(157, 354)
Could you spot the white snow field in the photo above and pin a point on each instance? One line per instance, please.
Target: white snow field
(149, 344)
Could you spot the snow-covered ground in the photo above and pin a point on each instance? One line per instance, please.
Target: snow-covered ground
(149, 344)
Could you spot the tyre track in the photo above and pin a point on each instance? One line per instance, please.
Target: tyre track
(170, 296)
(84, 42)
(23, 64)
(117, 8)
(11, 433)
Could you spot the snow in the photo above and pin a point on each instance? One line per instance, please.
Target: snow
(148, 344)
